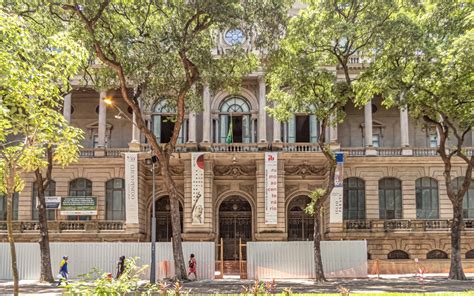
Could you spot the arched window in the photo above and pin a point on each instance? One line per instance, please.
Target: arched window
(50, 191)
(470, 254)
(235, 121)
(80, 187)
(115, 199)
(163, 118)
(4, 206)
(398, 254)
(436, 254)
(390, 198)
(468, 201)
(164, 230)
(354, 199)
(427, 200)
(300, 224)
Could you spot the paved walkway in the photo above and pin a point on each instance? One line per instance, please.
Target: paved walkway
(406, 283)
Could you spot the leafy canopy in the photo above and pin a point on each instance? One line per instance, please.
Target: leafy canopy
(35, 65)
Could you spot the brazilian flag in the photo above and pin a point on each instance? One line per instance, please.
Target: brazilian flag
(230, 134)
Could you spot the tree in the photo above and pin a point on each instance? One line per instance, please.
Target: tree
(163, 50)
(32, 68)
(425, 63)
(325, 33)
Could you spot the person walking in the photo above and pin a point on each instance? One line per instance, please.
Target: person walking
(120, 266)
(63, 271)
(192, 266)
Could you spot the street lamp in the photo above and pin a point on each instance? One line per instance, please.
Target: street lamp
(109, 102)
(154, 159)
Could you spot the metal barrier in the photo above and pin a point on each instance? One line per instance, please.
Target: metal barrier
(104, 256)
(274, 260)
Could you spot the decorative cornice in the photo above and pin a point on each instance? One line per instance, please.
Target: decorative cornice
(304, 170)
(234, 170)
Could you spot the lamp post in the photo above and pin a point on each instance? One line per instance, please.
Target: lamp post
(153, 226)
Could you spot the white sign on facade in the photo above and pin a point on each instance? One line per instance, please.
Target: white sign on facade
(52, 202)
(197, 188)
(271, 187)
(131, 188)
(336, 208)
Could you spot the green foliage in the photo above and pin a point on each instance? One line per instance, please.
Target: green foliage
(35, 64)
(100, 283)
(425, 62)
(261, 288)
(315, 196)
(161, 44)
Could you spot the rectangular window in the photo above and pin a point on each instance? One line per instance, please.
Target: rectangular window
(376, 140)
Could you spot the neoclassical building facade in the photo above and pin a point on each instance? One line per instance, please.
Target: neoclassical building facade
(394, 194)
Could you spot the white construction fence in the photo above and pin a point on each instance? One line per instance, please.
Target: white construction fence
(277, 260)
(104, 256)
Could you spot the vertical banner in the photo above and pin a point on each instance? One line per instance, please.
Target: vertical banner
(197, 188)
(336, 208)
(271, 187)
(131, 188)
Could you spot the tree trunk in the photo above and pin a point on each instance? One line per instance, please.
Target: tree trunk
(46, 273)
(179, 266)
(455, 271)
(318, 263)
(11, 240)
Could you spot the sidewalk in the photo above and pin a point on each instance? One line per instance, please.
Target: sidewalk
(388, 283)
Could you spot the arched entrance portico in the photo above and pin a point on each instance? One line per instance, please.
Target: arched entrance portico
(300, 224)
(164, 231)
(235, 224)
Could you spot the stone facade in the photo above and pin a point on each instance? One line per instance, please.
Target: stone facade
(234, 178)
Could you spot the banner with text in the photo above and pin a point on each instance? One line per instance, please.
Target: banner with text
(78, 206)
(131, 188)
(271, 187)
(197, 188)
(335, 215)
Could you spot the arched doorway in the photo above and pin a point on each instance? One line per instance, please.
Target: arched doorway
(300, 224)
(164, 232)
(235, 224)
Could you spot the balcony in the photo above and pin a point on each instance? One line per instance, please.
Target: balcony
(65, 226)
(236, 147)
(285, 147)
(377, 225)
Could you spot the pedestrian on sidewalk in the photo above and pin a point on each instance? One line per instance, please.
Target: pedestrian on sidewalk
(63, 271)
(192, 266)
(120, 266)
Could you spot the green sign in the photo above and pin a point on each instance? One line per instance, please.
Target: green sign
(79, 205)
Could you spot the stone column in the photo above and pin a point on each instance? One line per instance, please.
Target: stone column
(134, 145)
(67, 107)
(262, 115)
(102, 120)
(206, 114)
(276, 131)
(404, 139)
(192, 127)
(333, 130)
(404, 135)
(369, 150)
(368, 124)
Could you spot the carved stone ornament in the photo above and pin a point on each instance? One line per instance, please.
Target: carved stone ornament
(233, 170)
(222, 188)
(247, 188)
(304, 170)
(174, 170)
(290, 189)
